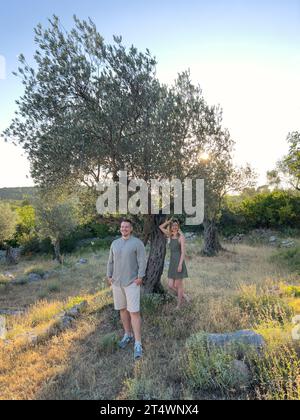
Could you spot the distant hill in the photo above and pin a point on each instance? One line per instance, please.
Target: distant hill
(16, 194)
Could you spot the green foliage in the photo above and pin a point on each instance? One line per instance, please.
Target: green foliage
(26, 219)
(271, 210)
(35, 270)
(97, 245)
(4, 280)
(100, 229)
(76, 300)
(42, 312)
(56, 218)
(108, 343)
(26, 227)
(264, 308)
(21, 281)
(31, 244)
(7, 222)
(232, 219)
(209, 369)
(277, 210)
(290, 291)
(150, 303)
(143, 388)
(17, 194)
(289, 258)
(277, 374)
(54, 287)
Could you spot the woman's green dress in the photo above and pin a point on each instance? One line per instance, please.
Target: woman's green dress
(175, 248)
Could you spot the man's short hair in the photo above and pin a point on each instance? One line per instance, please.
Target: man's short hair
(127, 221)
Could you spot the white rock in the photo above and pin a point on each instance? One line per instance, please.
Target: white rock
(273, 239)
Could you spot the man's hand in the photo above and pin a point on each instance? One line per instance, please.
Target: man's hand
(109, 281)
(138, 281)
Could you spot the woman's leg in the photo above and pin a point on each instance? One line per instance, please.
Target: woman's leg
(186, 297)
(171, 285)
(180, 293)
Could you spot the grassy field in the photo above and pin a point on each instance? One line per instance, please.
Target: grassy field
(244, 287)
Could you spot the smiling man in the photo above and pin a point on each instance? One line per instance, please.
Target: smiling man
(125, 271)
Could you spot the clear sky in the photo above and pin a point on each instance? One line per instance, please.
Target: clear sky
(245, 55)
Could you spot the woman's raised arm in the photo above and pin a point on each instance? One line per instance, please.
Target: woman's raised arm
(163, 226)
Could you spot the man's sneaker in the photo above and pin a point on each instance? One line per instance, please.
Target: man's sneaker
(125, 341)
(138, 351)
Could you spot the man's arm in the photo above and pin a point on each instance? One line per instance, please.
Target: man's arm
(142, 262)
(110, 265)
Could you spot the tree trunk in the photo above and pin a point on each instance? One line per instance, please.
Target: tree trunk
(58, 255)
(156, 261)
(147, 228)
(212, 244)
(10, 256)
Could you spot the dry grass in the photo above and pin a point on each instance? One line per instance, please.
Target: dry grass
(73, 365)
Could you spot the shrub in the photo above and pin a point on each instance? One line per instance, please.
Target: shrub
(101, 230)
(108, 343)
(42, 312)
(21, 281)
(143, 388)
(54, 287)
(4, 280)
(35, 270)
(210, 368)
(265, 308)
(30, 244)
(72, 301)
(97, 245)
(277, 210)
(277, 374)
(289, 258)
(290, 291)
(151, 302)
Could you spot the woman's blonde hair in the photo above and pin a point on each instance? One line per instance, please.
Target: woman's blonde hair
(170, 228)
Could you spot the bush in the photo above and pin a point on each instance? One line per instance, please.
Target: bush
(4, 280)
(72, 301)
(54, 287)
(143, 388)
(290, 291)
(262, 309)
(101, 230)
(232, 220)
(108, 343)
(26, 223)
(289, 258)
(210, 368)
(150, 303)
(30, 244)
(97, 245)
(275, 210)
(277, 374)
(35, 270)
(43, 312)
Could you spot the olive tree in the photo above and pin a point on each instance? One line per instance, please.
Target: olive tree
(57, 217)
(91, 109)
(287, 169)
(8, 222)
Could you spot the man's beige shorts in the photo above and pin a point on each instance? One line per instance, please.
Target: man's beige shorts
(127, 297)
